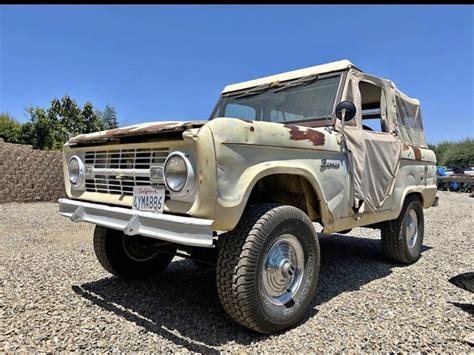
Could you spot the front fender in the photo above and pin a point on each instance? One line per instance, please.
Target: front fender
(247, 151)
(231, 204)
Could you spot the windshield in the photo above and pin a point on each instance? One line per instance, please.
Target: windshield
(306, 99)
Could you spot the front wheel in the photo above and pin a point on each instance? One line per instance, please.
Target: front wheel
(402, 238)
(268, 268)
(129, 257)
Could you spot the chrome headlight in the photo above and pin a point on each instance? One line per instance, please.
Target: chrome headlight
(76, 171)
(179, 173)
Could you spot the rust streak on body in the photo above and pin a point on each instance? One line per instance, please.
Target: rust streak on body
(317, 138)
(417, 152)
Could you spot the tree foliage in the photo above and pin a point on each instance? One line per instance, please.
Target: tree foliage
(50, 128)
(42, 134)
(69, 119)
(450, 153)
(109, 117)
(9, 128)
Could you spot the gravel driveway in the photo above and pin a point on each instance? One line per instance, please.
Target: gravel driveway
(54, 296)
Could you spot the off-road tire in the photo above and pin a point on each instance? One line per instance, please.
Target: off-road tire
(240, 261)
(394, 236)
(110, 252)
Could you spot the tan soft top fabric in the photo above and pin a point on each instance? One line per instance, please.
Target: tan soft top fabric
(376, 156)
(318, 69)
(375, 164)
(408, 119)
(402, 113)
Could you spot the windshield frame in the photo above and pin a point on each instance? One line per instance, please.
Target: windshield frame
(310, 123)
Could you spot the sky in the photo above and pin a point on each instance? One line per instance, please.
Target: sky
(155, 63)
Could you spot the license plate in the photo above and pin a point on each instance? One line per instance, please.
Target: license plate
(147, 198)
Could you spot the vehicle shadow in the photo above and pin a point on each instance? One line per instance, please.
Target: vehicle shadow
(466, 307)
(349, 262)
(184, 299)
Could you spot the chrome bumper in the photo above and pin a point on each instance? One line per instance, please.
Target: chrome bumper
(182, 230)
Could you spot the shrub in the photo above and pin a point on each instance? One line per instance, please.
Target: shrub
(9, 128)
(455, 152)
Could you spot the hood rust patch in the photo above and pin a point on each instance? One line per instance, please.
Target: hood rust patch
(120, 132)
(316, 137)
(137, 130)
(406, 146)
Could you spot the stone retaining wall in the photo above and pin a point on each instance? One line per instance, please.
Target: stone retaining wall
(29, 175)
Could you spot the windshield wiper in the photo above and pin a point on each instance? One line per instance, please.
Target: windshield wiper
(261, 88)
(254, 91)
(301, 81)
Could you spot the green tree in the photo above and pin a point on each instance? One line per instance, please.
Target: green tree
(51, 128)
(43, 132)
(460, 153)
(66, 116)
(9, 128)
(68, 119)
(89, 119)
(454, 152)
(109, 117)
(27, 134)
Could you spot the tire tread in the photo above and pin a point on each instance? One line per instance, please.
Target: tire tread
(109, 252)
(100, 249)
(392, 244)
(239, 253)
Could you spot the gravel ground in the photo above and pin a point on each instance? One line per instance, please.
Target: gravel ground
(54, 296)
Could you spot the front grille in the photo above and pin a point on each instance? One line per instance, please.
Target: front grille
(133, 169)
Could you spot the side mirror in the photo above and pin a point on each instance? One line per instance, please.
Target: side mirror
(345, 111)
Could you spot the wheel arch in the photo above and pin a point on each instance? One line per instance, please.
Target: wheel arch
(285, 180)
(415, 192)
(288, 189)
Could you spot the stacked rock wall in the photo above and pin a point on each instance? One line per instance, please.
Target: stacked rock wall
(29, 175)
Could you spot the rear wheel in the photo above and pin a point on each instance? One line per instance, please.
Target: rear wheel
(129, 257)
(402, 238)
(268, 268)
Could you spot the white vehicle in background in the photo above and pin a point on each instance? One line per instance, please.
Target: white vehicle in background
(449, 171)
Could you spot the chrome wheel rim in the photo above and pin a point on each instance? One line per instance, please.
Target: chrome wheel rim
(411, 225)
(283, 269)
(137, 250)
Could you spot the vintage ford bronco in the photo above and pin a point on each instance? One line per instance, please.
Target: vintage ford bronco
(240, 192)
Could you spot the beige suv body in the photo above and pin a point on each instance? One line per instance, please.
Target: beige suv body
(272, 140)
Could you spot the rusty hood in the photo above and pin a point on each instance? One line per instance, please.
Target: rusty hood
(141, 129)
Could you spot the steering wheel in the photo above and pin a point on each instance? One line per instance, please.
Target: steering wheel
(367, 128)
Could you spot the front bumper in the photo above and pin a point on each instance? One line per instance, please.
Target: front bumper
(177, 229)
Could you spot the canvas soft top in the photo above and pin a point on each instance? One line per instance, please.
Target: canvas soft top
(376, 156)
(318, 69)
(403, 112)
